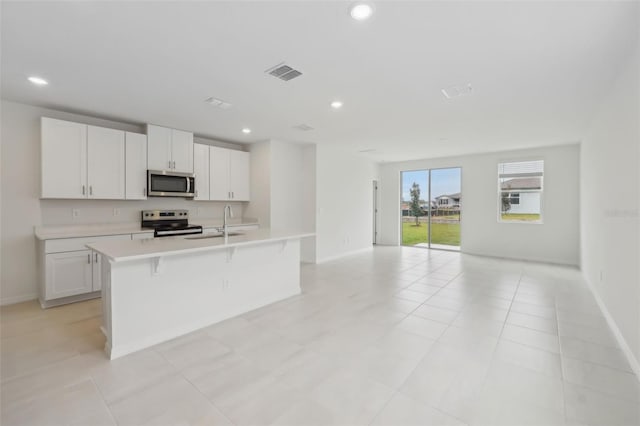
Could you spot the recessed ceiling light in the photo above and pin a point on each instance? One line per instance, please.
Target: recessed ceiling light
(38, 81)
(336, 104)
(361, 11)
(246, 130)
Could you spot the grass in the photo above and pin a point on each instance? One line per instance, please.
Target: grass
(521, 217)
(441, 233)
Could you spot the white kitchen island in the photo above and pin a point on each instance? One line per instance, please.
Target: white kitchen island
(157, 289)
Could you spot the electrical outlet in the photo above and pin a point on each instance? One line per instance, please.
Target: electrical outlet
(116, 212)
(75, 213)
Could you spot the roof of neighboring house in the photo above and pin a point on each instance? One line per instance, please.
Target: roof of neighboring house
(455, 196)
(522, 183)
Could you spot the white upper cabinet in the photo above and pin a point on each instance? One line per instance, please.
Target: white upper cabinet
(158, 148)
(80, 161)
(229, 174)
(219, 173)
(135, 166)
(182, 151)
(239, 165)
(64, 159)
(169, 149)
(201, 171)
(105, 163)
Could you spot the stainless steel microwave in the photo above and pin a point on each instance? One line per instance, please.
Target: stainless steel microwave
(163, 183)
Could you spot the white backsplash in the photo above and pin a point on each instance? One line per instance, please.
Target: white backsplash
(61, 212)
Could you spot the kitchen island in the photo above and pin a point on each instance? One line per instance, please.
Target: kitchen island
(158, 289)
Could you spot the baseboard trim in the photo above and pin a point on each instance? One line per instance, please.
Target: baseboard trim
(341, 255)
(18, 299)
(633, 362)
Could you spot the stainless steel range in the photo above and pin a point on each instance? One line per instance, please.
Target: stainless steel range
(168, 223)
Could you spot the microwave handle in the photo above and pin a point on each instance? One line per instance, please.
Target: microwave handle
(188, 185)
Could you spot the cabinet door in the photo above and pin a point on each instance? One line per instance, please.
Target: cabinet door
(158, 148)
(136, 166)
(239, 166)
(63, 159)
(105, 163)
(219, 174)
(96, 271)
(68, 274)
(182, 151)
(201, 171)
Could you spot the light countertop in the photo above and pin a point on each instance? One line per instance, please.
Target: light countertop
(93, 230)
(122, 251)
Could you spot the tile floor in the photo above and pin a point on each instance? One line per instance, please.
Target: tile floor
(396, 336)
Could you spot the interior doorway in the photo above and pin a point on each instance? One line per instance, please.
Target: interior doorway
(431, 208)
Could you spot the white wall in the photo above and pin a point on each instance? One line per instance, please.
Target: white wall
(22, 209)
(308, 246)
(557, 240)
(610, 182)
(286, 185)
(344, 202)
(283, 189)
(260, 204)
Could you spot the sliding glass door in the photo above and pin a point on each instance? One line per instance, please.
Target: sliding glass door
(431, 208)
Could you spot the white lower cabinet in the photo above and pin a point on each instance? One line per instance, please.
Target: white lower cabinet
(71, 271)
(69, 274)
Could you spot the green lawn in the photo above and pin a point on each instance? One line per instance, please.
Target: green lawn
(520, 217)
(441, 233)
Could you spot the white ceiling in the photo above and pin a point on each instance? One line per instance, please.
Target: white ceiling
(538, 69)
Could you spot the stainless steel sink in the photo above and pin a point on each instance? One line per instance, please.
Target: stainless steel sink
(202, 237)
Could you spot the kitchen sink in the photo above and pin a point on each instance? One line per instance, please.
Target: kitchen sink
(202, 237)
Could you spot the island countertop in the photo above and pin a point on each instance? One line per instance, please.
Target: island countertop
(123, 251)
(92, 230)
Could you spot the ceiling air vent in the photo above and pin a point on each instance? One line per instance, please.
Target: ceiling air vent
(303, 127)
(283, 72)
(457, 91)
(218, 103)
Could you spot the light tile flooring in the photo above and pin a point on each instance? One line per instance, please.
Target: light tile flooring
(396, 336)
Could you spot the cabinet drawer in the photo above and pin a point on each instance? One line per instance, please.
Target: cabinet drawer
(76, 244)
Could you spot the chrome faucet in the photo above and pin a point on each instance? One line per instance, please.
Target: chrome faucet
(224, 222)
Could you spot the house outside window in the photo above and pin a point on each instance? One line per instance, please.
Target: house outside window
(520, 187)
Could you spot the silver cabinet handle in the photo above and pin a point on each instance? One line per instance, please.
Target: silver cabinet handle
(89, 259)
(96, 257)
(169, 166)
(83, 190)
(90, 189)
(196, 194)
(174, 165)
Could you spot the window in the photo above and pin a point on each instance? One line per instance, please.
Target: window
(520, 191)
(443, 201)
